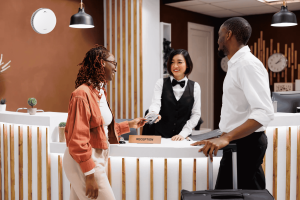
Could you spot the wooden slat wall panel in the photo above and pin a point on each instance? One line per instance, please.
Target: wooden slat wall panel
(20, 134)
(5, 152)
(141, 58)
(127, 88)
(12, 162)
(166, 180)
(113, 41)
(124, 57)
(194, 174)
(135, 56)
(119, 58)
(108, 39)
(275, 159)
(180, 179)
(129, 60)
(288, 164)
(29, 150)
(39, 162)
(151, 179)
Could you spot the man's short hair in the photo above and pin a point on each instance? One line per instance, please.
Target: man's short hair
(240, 28)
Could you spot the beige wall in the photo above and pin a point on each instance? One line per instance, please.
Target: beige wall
(44, 66)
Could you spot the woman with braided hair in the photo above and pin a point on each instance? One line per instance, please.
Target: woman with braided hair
(91, 128)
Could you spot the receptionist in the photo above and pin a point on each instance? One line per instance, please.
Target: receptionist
(177, 99)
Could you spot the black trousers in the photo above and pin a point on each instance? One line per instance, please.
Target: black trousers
(250, 154)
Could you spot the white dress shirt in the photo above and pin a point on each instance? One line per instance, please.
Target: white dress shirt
(246, 92)
(178, 91)
(107, 117)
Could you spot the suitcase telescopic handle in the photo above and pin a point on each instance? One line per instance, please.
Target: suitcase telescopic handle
(233, 149)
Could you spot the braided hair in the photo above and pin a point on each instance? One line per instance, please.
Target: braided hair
(91, 71)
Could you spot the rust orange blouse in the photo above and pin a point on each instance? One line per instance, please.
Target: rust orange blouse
(84, 129)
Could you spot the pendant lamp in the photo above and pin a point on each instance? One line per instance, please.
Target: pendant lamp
(81, 19)
(284, 18)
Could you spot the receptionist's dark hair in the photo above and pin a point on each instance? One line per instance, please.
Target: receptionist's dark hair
(188, 60)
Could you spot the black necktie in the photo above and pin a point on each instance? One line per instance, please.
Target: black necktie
(175, 82)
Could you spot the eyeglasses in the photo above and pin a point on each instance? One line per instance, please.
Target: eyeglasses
(112, 62)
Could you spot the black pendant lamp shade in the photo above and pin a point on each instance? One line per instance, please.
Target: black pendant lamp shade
(81, 19)
(284, 18)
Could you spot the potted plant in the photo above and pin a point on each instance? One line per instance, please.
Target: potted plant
(61, 130)
(2, 105)
(32, 102)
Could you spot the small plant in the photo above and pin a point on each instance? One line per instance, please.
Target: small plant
(62, 124)
(32, 102)
(3, 101)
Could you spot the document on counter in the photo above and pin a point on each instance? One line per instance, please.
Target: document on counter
(205, 136)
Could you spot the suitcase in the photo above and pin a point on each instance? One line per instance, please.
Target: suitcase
(234, 194)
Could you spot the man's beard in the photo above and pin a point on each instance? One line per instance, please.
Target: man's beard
(223, 52)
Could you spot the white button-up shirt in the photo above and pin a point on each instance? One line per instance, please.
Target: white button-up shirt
(178, 92)
(246, 92)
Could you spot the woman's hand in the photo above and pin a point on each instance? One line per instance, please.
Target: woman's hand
(137, 122)
(177, 138)
(91, 187)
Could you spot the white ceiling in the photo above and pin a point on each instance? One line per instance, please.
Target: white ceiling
(231, 8)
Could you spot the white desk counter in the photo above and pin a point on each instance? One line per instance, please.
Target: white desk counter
(166, 166)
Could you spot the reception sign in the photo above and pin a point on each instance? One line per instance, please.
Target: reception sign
(148, 139)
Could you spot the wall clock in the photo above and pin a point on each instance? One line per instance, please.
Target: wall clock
(43, 20)
(277, 62)
(224, 64)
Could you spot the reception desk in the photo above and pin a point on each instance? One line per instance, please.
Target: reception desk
(31, 159)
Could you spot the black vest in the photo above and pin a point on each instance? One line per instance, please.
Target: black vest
(174, 114)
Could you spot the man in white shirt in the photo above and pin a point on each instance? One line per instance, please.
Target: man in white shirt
(246, 110)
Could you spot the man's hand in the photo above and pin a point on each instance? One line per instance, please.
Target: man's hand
(91, 187)
(158, 117)
(212, 146)
(177, 138)
(137, 122)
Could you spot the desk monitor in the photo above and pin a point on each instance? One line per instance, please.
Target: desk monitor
(287, 101)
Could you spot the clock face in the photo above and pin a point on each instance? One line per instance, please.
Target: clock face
(277, 62)
(224, 64)
(43, 20)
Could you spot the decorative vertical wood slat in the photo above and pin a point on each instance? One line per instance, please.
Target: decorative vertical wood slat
(5, 152)
(285, 54)
(255, 49)
(48, 167)
(113, 47)
(124, 58)
(109, 171)
(166, 180)
(251, 49)
(271, 52)
(60, 179)
(137, 179)
(29, 150)
(292, 74)
(39, 162)
(12, 162)
(180, 179)
(123, 180)
(119, 58)
(292, 53)
(141, 57)
(258, 49)
(275, 159)
(20, 148)
(108, 40)
(288, 164)
(267, 58)
(264, 53)
(298, 164)
(289, 57)
(295, 60)
(194, 174)
(151, 179)
(278, 74)
(135, 56)
(129, 61)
